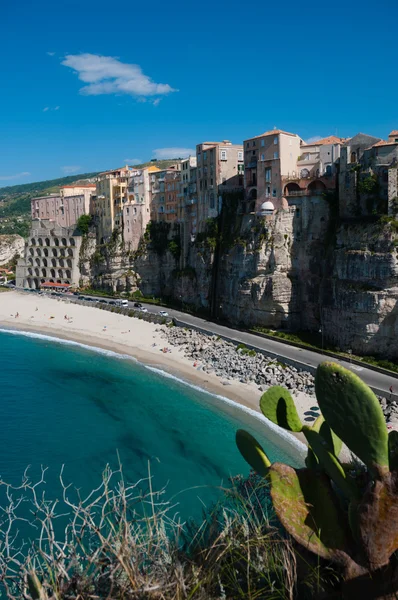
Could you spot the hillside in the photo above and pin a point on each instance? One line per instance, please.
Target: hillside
(47, 186)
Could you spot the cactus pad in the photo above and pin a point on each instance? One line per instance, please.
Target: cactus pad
(278, 406)
(353, 412)
(252, 452)
(393, 450)
(307, 507)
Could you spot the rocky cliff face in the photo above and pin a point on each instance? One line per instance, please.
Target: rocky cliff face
(10, 245)
(298, 270)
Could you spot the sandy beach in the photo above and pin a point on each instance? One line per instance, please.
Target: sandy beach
(123, 335)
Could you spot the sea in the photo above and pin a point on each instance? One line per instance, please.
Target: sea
(65, 405)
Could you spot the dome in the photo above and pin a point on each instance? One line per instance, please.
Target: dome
(267, 206)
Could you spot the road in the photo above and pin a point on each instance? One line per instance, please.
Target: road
(310, 359)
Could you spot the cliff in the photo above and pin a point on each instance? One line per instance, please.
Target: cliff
(10, 245)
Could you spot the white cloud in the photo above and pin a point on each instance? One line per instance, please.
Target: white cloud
(164, 153)
(16, 176)
(133, 161)
(313, 139)
(51, 53)
(56, 108)
(71, 169)
(46, 109)
(107, 75)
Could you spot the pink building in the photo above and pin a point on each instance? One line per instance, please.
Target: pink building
(64, 211)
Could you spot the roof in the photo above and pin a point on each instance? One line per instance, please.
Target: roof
(268, 205)
(85, 185)
(332, 139)
(362, 139)
(52, 284)
(394, 132)
(383, 143)
(273, 132)
(152, 169)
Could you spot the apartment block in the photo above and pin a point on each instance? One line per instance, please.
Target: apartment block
(137, 204)
(187, 203)
(368, 177)
(51, 257)
(63, 210)
(165, 190)
(268, 158)
(220, 168)
(111, 189)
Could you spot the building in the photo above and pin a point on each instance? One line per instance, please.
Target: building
(368, 176)
(137, 204)
(187, 190)
(268, 158)
(219, 169)
(165, 189)
(316, 170)
(51, 256)
(63, 210)
(86, 190)
(111, 191)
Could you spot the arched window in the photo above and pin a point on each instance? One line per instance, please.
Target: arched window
(37, 261)
(55, 253)
(52, 272)
(69, 263)
(353, 157)
(31, 251)
(64, 242)
(47, 241)
(72, 242)
(44, 272)
(61, 262)
(56, 241)
(62, 252)
(30, 261)
(70, 252)
(33, 242)
(53, 262)
(38, 252)
(40, 241)
(30, 271)
(44, 262)
(45, 252)
(60, 273)
(67, 274)
(37, 272)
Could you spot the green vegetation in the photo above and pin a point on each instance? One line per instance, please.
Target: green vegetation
(245, 350)
(314, 341)
(38, 187)
(347, 516)
(84, 223)
(208, 237)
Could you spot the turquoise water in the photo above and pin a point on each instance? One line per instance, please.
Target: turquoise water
(63, 404)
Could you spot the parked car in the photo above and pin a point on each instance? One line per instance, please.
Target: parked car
(81, 298)
(112, 302)
(137, 304)
(103, 302)
(163, 313)
(143, 309)
(122, 303)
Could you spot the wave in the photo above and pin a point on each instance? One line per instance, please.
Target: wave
(290, 443)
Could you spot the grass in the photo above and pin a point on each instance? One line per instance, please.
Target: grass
(314, 342)
(124, 541)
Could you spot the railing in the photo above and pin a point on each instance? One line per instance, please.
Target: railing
(294, 193)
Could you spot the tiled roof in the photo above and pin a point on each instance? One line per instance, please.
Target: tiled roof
(78, 185)
(273, 132)
(332, 139)
(395, 132)
(52, 284)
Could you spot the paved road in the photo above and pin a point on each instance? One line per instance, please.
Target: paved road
(308, 358)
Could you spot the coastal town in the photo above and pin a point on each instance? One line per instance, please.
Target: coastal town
(271, 172)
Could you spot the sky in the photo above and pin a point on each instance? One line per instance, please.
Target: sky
(91, 85)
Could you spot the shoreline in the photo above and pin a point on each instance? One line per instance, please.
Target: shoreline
(85, 327)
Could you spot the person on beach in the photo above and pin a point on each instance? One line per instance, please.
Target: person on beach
(17, 315)
(391, 391)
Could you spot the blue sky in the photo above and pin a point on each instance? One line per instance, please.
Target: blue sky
(88, 84)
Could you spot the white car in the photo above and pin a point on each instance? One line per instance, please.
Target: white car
(163, 313)
(143, 310)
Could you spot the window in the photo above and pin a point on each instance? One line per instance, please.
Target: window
(127, 211)
(268, 174)
(204, 155)
(199, 156)
(240, 155)
(268, 191)
(254, 153)
(263, 143)
(262, 157)
(248, 144)
(275, 155)
(274, 193)
(212, 203)
(253, 143)
(223, 155)
(211, 181)
(275, 140)
(135, 210)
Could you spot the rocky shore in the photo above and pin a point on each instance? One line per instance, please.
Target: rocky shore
(214, 355)
(228, 361)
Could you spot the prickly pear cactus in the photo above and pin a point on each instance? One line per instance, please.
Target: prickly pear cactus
(353, 412)
(278, 406)
(252, 452)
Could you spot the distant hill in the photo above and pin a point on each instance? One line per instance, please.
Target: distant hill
(40, 186)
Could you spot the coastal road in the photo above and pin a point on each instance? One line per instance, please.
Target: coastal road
(310, 359)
